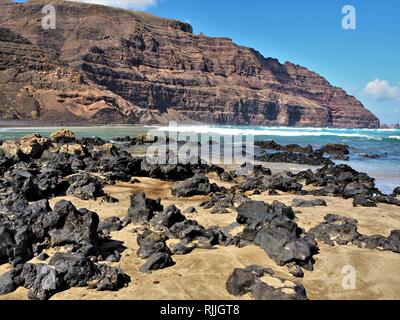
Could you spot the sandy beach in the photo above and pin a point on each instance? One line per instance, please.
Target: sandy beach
(202, 274)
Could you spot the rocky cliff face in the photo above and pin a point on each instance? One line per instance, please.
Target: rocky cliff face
(106, 65)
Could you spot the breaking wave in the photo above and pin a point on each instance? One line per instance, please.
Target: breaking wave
(370, 134)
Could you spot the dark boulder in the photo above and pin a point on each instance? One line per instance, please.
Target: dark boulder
(298, 148)
(181, 248)
(121, 167)
(187, 229)
(354, 189)
(23, 183)
(272, 145)
(296, 203)
(170, 216)
(253, 183)
(142, 209)
(337, 229)
(16, 241)
(197, 185)
(109, 279)
(74, 269)
(5, 162)
(151, 242)
(341, 180)
(10, 281)
(224, 199)
(254, 169)
(281, 240)
(157, 261)
(64, 271)
(257, 213)
(78, 227)
(343, 231)
(329, 190)
(248, 280)
(110, 224)
(273, 229)
(167, 172)
(284, 182)
(338, 151)
(393, 241)
(386, 199)
(41, 280)
(241, 282)
(60, 162)
(51, 183)
(360, 201)
(85, 187)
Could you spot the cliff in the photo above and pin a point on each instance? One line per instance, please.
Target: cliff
(107, 65)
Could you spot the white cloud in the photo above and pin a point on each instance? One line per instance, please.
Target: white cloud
(126, 4)
(381, 90)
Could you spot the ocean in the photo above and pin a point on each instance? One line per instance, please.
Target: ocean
(382, 142)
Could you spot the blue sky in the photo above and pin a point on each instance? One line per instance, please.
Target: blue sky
(365, 61)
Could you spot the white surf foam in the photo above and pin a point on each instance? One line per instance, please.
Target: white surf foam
(262, 131)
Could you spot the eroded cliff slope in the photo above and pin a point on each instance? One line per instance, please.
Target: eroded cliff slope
(107, 65)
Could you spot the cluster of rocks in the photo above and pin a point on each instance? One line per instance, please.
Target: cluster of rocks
(199, 184)
(295, 153)
(315, 158)
(342, 231)
(28, 229)
(272, 145)
(64, 271)
(272, 227)
(163, 224)
(343, 181)
(336, 151)
(154, 248)
(248, 280)
(284, 181)
(34, 169)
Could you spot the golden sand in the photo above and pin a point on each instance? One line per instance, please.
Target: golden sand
(202, 274)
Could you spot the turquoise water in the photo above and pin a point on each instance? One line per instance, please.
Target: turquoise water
(384, 142)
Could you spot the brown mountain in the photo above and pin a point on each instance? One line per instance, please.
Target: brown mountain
(107, 65)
